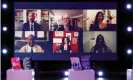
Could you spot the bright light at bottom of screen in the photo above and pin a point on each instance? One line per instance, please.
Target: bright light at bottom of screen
(65, 78)
(100, 78)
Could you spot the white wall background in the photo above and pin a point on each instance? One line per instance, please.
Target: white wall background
(89, 39)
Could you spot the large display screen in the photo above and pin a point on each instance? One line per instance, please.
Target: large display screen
(60, 30)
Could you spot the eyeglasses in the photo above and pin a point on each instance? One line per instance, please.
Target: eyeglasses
(66, 18)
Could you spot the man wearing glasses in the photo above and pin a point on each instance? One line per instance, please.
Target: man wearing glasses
(66, 24)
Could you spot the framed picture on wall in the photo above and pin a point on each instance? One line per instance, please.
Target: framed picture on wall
(76, 34)
(68, 35)
(74, 40)
(59, 33)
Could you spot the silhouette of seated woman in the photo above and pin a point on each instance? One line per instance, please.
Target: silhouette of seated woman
(100, 46)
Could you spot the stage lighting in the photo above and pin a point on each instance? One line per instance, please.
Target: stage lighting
(66, 73)
(129, 70)
(4, 6)
(100, 73)
(129, 28)
(100, 78)
(33, 73)
(4, 28)
(128, 6)
(129, 51)
(66, 78)
(33, 79)
(4, 51)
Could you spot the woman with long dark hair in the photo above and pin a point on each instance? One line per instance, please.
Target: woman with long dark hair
(65, 47)
(98, 23)
(100, 46)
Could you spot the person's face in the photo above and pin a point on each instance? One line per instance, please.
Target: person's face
(65, 40)
(100, 40)
(31, 41)
(31, 17)
(66, 20)
(100, 17)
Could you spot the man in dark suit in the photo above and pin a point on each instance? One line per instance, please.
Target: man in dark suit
(66, 24)
(31, 25)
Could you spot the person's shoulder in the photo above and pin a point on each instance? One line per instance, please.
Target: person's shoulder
(72, 28)
(37, 46)
(108, 48)
(60, 28)
(22, 49)
(36, 23)
(92, 27)
(93, 47)
(26, 23)
(24, 46)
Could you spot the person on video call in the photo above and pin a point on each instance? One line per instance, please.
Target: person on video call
(31, 47)
(66, 24)
(31, 25)
(65, 47)
(100, 46)
(98, 23)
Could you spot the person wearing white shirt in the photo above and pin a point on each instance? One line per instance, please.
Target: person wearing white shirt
(31, 26)
(31, 47)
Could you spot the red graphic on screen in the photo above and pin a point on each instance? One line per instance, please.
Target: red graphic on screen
(16, 63)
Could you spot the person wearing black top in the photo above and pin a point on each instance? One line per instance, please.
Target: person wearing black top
(31, 25)
(100, 46)
(65, 47)
(98, 23)
(66, 24)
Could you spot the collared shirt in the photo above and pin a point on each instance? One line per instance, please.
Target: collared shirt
(31, 48)
(31, 26)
